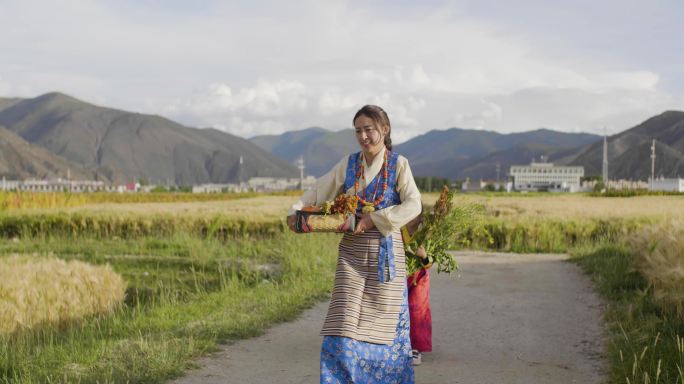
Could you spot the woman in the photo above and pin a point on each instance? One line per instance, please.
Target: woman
(366, 331)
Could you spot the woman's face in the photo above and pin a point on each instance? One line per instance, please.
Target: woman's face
(370, 137)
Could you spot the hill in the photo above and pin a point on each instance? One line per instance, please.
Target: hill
(320, 148)
(629, 151)
(21, 160)
(121, 146)
(454, 153)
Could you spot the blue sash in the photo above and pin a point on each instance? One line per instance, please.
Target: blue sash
(391, 197)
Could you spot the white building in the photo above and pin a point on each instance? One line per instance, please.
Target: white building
(669, 185)
(261, 184)
(546, 177)
(61, 185)
(218, 188)
(9, 185)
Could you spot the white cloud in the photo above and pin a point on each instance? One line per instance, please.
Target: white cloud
(5, 89)
(267, 67)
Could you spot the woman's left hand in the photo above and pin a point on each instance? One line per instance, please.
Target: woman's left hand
(364, 224)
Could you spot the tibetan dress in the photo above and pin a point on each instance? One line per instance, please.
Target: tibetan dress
(366, 333)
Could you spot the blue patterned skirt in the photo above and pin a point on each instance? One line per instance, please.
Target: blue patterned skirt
(345, 360)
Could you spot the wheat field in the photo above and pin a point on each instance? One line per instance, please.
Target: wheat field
(48, 291)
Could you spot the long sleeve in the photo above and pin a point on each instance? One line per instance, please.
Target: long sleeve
(393, 218)
(327, 187)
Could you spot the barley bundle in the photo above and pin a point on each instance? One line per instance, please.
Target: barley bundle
(49, 291)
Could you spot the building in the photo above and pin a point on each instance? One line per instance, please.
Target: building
(266, 184)
(219, 188)
(61, 185)
(668, 185)
(545, 176)
(58, 185)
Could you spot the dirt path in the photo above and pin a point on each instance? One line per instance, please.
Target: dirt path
(505, 318)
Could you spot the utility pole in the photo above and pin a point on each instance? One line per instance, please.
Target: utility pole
(652, 163)
(498, 170)
(240, 172)
(605, 158)
(300, 165)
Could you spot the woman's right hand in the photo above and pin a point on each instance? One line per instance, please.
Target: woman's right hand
(291, 222)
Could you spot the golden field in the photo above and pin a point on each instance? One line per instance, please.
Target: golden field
(39, 291)
(517, 206)
(194, 273)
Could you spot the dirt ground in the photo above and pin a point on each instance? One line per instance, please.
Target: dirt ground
(503, 318)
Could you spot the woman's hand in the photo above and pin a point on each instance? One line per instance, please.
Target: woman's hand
(291, 222)
(420, 252)
(364, 224)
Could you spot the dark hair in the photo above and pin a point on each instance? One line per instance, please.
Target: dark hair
(379, 117)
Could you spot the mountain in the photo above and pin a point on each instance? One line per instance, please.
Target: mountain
(121, 146)
(20, 159)
(320, 148)
(456, 142)
(629, 152)
(7, 102)
(460, 153)
(454, 153)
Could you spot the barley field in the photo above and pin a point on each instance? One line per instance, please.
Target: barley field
(195, 271)
(46, 291)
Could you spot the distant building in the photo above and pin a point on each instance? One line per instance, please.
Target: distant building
(545, 176)
(9, 185)
(61, 185)
(668, 185)
(219, 188)
(265, 184)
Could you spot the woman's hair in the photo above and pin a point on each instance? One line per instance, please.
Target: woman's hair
(379, 117)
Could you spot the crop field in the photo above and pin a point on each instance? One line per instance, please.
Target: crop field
(180, 274)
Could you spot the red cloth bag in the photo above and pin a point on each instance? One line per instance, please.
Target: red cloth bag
(419, 310)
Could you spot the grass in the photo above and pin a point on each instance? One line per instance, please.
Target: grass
(645, 345)
(38, 291)
(56, 200)
(186, 294)
(203, 272)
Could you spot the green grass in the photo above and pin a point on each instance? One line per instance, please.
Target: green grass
(195, 282)
(548, 235)
(186, 295)
(644, 344)
(128, 225)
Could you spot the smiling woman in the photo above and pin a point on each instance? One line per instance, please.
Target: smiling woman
(366, 330)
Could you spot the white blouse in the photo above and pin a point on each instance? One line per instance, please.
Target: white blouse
(386, 220)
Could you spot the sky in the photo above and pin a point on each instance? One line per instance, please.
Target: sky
(266, 67)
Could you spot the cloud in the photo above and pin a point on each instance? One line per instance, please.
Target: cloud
(5, 89)
(268, 67)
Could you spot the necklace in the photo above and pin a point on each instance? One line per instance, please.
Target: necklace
(369, 206)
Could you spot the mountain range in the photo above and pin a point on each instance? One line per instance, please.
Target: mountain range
(629, 151)
(55, 134)
(454, 153)
(58, 133)
(477, 154)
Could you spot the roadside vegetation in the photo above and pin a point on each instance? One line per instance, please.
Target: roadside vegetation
(633, 251)
(200, 272)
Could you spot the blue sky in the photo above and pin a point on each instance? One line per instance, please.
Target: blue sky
(266, 67)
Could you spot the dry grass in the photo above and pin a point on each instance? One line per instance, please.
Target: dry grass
(266, 208)
(507, 206)
(36, 291)
(659, 254)
(574, 206)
